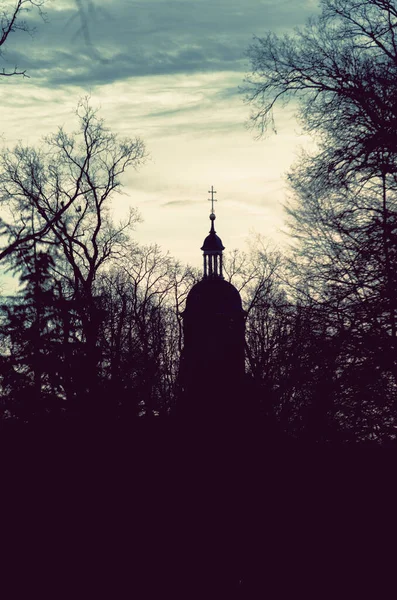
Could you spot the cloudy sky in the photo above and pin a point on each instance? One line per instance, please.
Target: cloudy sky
(168, 71)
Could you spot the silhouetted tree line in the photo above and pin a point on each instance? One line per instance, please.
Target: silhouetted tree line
(95, 329)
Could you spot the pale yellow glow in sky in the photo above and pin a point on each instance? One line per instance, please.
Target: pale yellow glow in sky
(193, 122)
(195, 140)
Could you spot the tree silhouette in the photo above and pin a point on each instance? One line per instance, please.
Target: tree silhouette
(140, 337)
(29, 335)
(58, 199)
(341, 70)
(11, 21)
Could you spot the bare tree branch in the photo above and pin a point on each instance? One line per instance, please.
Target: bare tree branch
(11, 21)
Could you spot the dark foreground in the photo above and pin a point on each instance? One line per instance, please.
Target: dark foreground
(157, 510)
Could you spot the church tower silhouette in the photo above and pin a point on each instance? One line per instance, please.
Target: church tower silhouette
(212, 366)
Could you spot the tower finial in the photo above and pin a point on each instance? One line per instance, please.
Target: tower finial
(212, 247)
(212, 199)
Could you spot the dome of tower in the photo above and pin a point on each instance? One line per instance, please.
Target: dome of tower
(212, 242)
(213, 296)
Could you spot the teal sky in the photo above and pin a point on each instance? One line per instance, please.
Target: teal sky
(169, 72)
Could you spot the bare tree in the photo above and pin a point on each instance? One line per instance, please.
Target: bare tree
(143, 295)
(68, 186)
(11, 21)
(340, 72)
(154, 279)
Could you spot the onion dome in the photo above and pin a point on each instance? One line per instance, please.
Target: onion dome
(212, 242)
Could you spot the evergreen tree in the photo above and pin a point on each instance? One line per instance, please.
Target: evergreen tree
(29, 327)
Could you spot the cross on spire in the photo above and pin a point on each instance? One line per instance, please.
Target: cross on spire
(212, 199)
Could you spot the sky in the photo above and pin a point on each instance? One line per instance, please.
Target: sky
(169, 72)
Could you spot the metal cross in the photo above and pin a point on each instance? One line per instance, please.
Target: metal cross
(212, 199)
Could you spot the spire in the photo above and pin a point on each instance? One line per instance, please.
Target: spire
(212, 247)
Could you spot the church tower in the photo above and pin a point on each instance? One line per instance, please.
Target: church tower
(212, 369)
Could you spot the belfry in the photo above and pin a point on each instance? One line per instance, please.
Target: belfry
(212, 366)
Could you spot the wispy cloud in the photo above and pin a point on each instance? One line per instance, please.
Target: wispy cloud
(178, 203)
